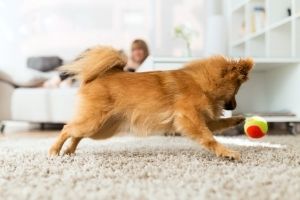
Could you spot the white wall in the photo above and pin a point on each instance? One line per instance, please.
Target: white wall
(252, 95)
(171, 13)
(9, 37)
(283, 83)
(67, 27)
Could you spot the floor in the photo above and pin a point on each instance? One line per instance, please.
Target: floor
(148, 168)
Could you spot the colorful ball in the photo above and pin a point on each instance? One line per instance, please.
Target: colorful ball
(256, 127)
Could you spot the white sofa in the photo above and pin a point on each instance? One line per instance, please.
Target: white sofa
(20, 102)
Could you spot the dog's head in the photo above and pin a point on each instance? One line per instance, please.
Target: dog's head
(221, 77)
(233, 73)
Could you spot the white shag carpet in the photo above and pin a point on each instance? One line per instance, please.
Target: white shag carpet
(150, 168)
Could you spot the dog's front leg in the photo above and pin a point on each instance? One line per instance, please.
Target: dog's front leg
(73, 145)
(224, 123)
(56, 147)
(189, 123)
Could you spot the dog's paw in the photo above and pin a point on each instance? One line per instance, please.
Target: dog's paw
(53, 152)
(239, 119)
(69, 152)
(229, 154)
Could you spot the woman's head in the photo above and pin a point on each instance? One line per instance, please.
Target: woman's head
(139, 51)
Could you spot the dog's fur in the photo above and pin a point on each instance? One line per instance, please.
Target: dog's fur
(188, 100)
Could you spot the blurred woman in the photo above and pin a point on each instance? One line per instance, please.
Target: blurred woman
(139, 52)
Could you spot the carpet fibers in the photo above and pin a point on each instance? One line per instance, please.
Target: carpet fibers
(150, 168)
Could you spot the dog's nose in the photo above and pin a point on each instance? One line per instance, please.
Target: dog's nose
(131, 70)
(231, 105)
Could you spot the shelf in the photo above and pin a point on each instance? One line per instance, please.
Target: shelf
(280, 23)
(252, 36)
(297, 16)
(275, 118)
(238, 51)
(282, 119)
(240, 5)
(278, 11)
(277, 60)
(265, 64)
(280, 44)
(257, 34)
(249, 37)
(256, 46)
(237, 31)
(239, 42)
(297, 7)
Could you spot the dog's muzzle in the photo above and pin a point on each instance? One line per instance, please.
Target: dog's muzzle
(230, 105)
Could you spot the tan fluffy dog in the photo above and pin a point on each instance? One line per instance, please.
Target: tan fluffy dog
(188, 100)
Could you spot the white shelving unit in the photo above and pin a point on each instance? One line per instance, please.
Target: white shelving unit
(268, 31)
(277, 26)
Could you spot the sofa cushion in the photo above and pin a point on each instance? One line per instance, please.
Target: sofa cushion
(43, 105)
(44, 63)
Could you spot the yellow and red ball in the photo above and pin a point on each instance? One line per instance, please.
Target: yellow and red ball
(256, 127)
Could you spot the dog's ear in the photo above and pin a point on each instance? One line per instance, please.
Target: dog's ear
(237, 68)
(246, 64)
(242, 67)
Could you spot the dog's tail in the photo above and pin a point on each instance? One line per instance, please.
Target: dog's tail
(96, 62)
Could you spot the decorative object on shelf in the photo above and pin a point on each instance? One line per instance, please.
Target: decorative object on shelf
(243, 29)
(289, 12)
(256, 127)
(258, 21)
(186, 34)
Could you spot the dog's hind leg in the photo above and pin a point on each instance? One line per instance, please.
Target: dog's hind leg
(189, 123)
(106, 130)
(92, 127)
(84, 126)
(225, 123)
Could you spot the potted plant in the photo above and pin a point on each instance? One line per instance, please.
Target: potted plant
(186, 34)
